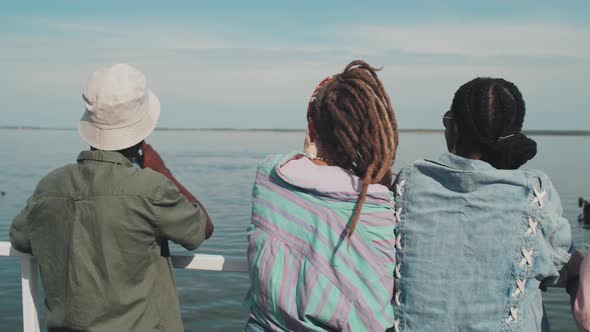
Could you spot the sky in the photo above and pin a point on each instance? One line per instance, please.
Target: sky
(254, 64)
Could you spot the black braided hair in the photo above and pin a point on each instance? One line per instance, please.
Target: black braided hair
(489, 113)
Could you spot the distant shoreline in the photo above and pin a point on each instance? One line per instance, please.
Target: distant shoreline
(534, 132)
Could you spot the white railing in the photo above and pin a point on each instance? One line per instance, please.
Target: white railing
(30, 276)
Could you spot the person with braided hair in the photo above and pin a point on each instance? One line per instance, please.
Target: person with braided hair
(479, 236)
(321, 247)
(488, 116)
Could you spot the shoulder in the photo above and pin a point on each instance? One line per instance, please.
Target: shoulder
(413, 167)
(539, 179)
(271, 159)
(404, 176)
(54, 179)
(267, 165)
(421, 166)
(542, 190)
(151, 184)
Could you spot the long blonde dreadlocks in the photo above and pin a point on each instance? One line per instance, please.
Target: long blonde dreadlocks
(353, 119)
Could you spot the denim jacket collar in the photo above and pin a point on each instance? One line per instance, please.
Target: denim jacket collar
(463, 164)
(104, 156)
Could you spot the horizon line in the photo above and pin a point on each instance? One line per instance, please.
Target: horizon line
(554, 132)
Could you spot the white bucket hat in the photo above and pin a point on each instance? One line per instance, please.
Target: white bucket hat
(120, 110)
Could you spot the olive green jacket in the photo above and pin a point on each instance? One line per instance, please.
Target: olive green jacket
(98, 229)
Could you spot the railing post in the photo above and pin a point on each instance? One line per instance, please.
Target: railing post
(30, 293)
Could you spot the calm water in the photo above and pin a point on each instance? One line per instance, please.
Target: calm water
(218, 167)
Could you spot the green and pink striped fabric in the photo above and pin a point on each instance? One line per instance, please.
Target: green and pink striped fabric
(304, 274)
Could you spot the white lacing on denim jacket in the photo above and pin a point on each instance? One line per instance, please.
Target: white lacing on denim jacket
(524, 266)
(399, 189)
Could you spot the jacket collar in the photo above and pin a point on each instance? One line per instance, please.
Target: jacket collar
(104, 156)
(463, 164)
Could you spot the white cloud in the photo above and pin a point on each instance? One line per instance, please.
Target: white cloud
(423, 65)
(471, 39)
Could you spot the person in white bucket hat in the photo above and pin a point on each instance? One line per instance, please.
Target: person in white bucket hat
(100, 228)
(120, 110)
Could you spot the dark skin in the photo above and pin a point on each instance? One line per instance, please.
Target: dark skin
(151, 159)
(573, 283)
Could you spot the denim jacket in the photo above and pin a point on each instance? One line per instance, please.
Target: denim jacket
(475, 244)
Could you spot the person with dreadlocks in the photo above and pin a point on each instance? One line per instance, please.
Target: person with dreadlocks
(321, 243)
(479, 236)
